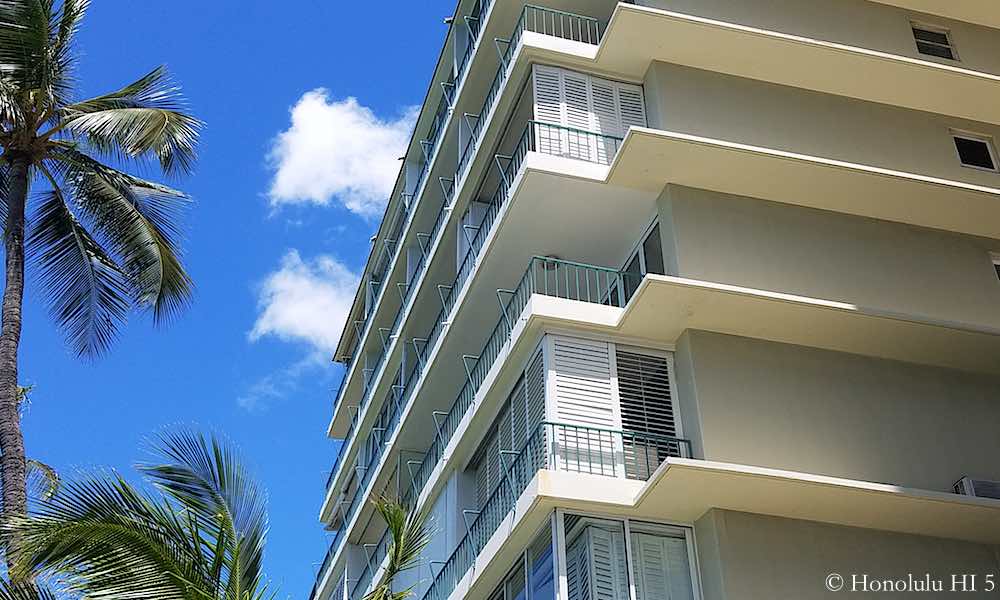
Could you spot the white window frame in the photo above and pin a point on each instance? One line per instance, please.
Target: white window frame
(559, 538)
(995, 260)
(975, 137)
(934, 29)
(637, 247)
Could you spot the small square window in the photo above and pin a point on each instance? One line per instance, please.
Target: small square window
(934, 42)
(975, 151)
(995, 257)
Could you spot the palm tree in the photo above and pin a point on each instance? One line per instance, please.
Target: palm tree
(409, 536)
(100, 241)
(200, 536)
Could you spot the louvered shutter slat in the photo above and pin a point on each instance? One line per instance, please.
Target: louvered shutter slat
(607, 121)
(632, 108)
(548, 108)
(607, 565)
(661, 567)
(577, 115)
(583, 397)
(646, 403)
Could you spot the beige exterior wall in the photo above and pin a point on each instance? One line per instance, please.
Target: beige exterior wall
(852, 22)
(791, 407)
(692, 101)
(754, 556)
(875, 264)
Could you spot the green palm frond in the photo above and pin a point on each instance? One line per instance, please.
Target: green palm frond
(25, 591)
(36, 47)
(108, 540)
(139, 221)
(24, 37)
(144, 119)
(201, 538)
(409, 535)
(86, 292)
(209, 480)
(43, 480)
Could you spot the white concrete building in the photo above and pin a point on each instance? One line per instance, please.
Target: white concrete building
(686, 299)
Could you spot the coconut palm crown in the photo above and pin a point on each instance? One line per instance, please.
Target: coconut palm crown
(198, 536)
(409, 535)
(97, 241)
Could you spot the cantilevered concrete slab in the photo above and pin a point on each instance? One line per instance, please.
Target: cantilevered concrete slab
(638, 35)
(650, 158)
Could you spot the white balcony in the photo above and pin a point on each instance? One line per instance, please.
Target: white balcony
(638, 35)
(649, 159)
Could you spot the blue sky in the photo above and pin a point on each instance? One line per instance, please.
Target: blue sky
(279, 231)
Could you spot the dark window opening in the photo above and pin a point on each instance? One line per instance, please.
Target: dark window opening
(933, 43)
(652, 252)
(975, 153)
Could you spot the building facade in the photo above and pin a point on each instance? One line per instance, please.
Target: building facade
(686, 299)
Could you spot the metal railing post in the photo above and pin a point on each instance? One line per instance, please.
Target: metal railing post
(503, 306)
(434, 416)
(423, 240)
(444, 303)
(465, 363)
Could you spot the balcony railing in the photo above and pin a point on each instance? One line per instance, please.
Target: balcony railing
(388, 255)
(544, 275)
(540, 137)
(556, 446)
(534, 19)
(331, 550)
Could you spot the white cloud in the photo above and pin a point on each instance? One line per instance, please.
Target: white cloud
(306, 301)
(338, 149)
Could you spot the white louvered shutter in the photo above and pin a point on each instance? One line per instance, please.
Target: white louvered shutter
(606, 119)
(647, 409)
(631, 107)
(518, 416)
(534, 392)
(577, 569)
(548, 108)
(583, 397)
(607, 565)
(577, 116)
(482, 482)
(584, 105)
(661, 568)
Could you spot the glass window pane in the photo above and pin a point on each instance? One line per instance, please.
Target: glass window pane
(633, 276)
(514, 584)
(541, 578)
(652, 252)
(926, 35)
(935, 50)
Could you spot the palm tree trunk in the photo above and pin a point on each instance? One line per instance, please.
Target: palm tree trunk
(12, 464)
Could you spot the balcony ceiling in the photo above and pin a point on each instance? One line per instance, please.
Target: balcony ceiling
(650, 159)
(638, 35)
(664, 307)
(980, 12)
(685, 489)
